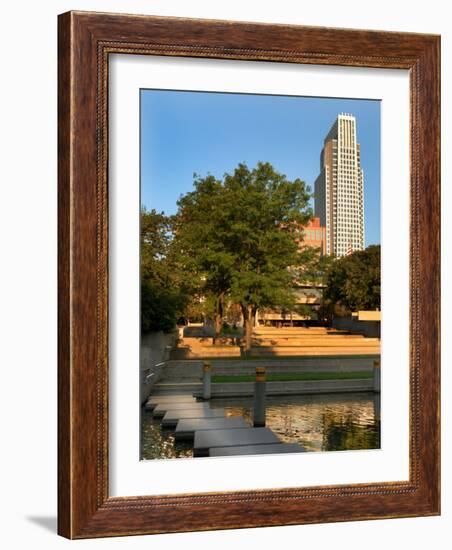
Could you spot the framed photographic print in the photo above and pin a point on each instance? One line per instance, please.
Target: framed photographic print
(248, 274)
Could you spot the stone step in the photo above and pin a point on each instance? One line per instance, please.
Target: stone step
(294, 330)
(277, 363)
(274, 448)
(173, 398)
(333, 343)
(351, 340)
(187, 387)
(277, 351)
(171, 418)
(294, 387)
(190, 369)
(161, 409)
(155, 400)
(185, 353)
(315, 350)
(187, 427)
(208, 439)
(281, 336)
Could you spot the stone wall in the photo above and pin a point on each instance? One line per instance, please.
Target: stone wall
(192, 369)
(154, 352)
(370, 329)
(242, 389)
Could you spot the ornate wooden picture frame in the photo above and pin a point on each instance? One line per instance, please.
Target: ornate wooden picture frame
(86, 40)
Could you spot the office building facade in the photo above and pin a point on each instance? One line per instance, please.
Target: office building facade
(314, 235)
(339, 189)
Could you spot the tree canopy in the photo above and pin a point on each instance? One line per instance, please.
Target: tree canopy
(237, 241)
(238, 237)
(164, 293)
(354, 281)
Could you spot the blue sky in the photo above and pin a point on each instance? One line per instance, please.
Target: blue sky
(183, 133)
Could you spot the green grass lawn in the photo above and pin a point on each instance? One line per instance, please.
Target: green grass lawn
(218, 379)
(282, 357)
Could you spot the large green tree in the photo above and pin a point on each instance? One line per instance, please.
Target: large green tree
(353, 281)
(240, 235)
(206, 261)
(164, 295)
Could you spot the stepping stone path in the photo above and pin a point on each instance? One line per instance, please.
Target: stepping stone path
(171, 418)
(187, 427)
(274, 448)
(171, 397)
(155, 400)
(161, 409)
(211, 432)
(206, 439)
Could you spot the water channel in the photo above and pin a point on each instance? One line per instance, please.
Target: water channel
(329, 422)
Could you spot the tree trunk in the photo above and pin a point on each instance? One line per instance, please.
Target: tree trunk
(218, 316)
(254, 317)
(217, 324)
(248, 321)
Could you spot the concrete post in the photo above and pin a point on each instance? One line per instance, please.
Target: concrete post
(377, 407)
(206, 380)
(377, 375)
(259, 398)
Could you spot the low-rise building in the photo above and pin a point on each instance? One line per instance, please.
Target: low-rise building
(314, 235)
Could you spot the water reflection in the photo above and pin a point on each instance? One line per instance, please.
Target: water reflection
(158, 443)
(332, 422)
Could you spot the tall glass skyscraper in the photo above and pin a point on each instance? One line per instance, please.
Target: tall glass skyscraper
(339, 189)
